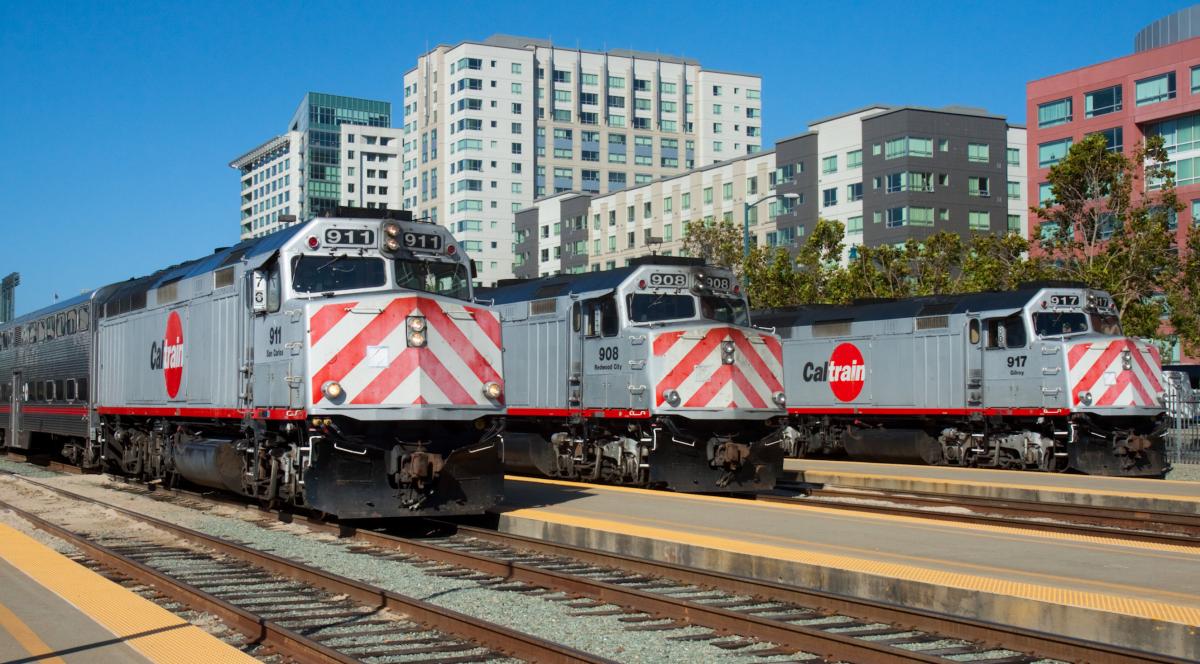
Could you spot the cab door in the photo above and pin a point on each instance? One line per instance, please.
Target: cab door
(973, 365)
(1012, 379)
(271, 332)
(603, 378)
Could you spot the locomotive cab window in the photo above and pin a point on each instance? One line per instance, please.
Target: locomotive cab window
(724, 309)
(324, 274)
(1059, 323)
(973, 331)
(1006, 332)
(274, 290)
(658, 307)
(601, 317)
(449, 279)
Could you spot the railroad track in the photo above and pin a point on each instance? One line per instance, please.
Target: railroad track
(653, 596)
(301, 612)
(1118, 523)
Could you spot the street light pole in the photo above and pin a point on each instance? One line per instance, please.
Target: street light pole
(747, 206)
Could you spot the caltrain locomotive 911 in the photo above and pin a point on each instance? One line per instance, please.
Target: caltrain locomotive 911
(338, 364)
(645, 375)
(1037, 378)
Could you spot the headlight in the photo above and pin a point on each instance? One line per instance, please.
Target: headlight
(332, 390)
(672, 397)
(780, 399)
(391, 245)
(1086, 398)
(492, 390)
(727, 358)
(391, 230)
(1126, 360)
(727, 346)
(416, 323)
(416, 339)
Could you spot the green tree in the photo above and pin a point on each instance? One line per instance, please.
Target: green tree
(771, 279)
(1104, 229)
(819, 275)
(1000, 262)
(1183, 296)
(718, 243)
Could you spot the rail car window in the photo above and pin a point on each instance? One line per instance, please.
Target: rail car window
(324, 274)
(81, 389)
(39, 391)
(6, 392)
(449, 279)
(85, 321)
(72, 390)
(1006, 332)
(1059, 323)
(655, 307)
(724, 309)
(59, 393)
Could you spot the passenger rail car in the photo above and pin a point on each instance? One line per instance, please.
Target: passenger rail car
(647, 375)
(338, 364)
(1038, 378)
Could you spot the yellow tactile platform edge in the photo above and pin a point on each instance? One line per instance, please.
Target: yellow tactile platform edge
(1117, 604)
(150, 629)
(813, 474)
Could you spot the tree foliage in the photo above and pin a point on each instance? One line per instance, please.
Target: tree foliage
(718, 243)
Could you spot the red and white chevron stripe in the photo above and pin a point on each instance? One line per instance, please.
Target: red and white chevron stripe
(1098, 367)
(363, 345)
(689, 362)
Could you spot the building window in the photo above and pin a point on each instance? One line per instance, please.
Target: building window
(708, 195)
(1102, 102)
(920, 216)
(896, 217)
(1014, 223)
(516, 88)
(616, 82)
(977, 186)
(1195, 80)
(853, 159)
(854, 224)
(909, 146)
(1051, 153)
(1014, 157)
(1045, 194)
(829, 197)
(1116, 137)
(685, 201)
(727, 191)
(1155, 89)
(854, 192)
(516, 68)
(977, 152)
(979, 220)
(1179, 135)
(1014, 190)
(589, 79)
(829, 164)
(943, 214)
(1054, 113)
(943, 145)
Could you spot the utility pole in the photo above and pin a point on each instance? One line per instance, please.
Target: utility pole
(8, 286)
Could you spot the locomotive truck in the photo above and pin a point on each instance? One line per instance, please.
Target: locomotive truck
(338, 364)
(646, 375)
(1037, 378)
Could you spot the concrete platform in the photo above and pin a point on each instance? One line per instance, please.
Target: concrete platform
(55, 610)
(1155, 495)
(1136, 595)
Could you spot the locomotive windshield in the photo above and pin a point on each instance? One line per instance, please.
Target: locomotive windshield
(724, 309)
(324, 274)
(1058, 324)
(449, 279)
(652, 308)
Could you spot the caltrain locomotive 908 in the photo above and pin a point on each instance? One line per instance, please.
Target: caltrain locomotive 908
(646, 375)
(338, 364)
(1037, 378)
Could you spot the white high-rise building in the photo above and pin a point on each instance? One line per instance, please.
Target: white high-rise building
(492, 126)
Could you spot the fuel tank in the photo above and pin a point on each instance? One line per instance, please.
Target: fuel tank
(210, 462)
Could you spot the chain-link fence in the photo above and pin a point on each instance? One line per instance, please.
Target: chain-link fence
(1183, 407)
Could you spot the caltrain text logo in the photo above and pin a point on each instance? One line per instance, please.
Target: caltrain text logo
(846, 372)
(168, 355)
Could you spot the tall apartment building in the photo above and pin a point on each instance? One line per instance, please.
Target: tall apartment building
(332, 153)
(492, 126)
(887, 173)
(1154, 91)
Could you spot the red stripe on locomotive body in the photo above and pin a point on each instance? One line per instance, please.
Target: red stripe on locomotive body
(664, 341)
(747, 389)
(1017, 411)
(326, 317)
(685, 366)
(775, 347)
(1076, 352)
(764, 372)
(205, 413)
(1146, 370)
(489, 323)
(618, 413)
(445, 380)
(50, 410)
(344, 361)
(715, 383)
(459, 342)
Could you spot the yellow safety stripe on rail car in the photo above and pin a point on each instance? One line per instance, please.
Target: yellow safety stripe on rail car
(150, 629)
(1111, 603)
(1092, 542)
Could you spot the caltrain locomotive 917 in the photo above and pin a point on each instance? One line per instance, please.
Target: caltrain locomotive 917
(338, 364)
(1037, 378)
(646, 375)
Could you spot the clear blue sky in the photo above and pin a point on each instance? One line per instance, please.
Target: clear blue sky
(119, 119)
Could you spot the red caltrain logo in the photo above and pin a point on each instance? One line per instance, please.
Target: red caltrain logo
(168, 355)
(846, 372)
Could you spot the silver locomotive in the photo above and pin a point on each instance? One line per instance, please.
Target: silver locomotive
(1037, 378)
(646, 375)
(339, 364)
